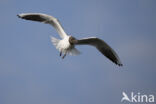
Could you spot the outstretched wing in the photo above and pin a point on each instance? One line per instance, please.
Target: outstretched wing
(103, 47)
(45, 19)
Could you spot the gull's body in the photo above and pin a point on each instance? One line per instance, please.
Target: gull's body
(67, 44)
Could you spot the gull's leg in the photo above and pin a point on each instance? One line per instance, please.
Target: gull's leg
(61, 53)
(64, 56)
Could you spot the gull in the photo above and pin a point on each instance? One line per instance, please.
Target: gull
(67, 44)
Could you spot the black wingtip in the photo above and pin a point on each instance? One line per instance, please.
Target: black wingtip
(120, 65)
(18, 16)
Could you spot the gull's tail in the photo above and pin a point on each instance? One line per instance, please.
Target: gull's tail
(73, 52)
(54, 41)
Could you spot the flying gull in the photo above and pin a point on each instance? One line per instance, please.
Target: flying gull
(67, 44)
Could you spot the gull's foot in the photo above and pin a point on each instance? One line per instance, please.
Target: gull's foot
(60, 53)
(64, 56)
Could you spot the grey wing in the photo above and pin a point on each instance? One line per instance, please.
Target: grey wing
(103, 47)
(45, 19)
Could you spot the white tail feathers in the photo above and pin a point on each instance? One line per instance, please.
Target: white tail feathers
(56, 43)
(73, 52)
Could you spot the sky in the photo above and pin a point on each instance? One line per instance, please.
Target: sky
(32, 72)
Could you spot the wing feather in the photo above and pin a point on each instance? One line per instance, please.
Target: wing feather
(45, 19)
(103, 47)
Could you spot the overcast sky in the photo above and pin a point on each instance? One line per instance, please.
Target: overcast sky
(31, 71)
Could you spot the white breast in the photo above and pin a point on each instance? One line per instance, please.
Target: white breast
(63, 44)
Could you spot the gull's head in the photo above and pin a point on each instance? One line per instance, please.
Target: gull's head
(72, 40)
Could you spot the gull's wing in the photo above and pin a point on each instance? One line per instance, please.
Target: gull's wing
(103, 47)
(45, 19)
